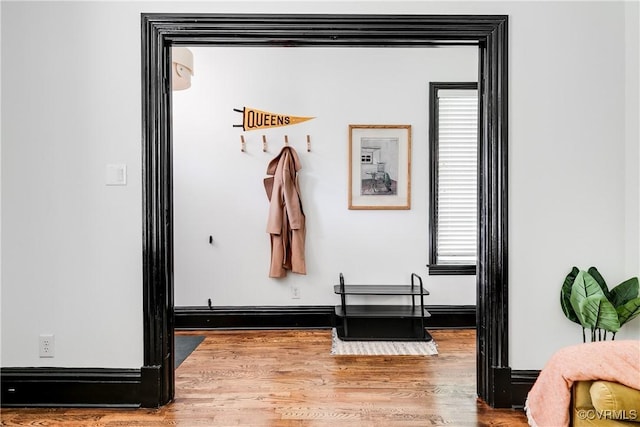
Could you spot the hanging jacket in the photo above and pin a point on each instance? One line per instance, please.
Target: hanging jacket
(286, 221)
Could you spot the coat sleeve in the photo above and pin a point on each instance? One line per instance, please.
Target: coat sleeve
(292, 201)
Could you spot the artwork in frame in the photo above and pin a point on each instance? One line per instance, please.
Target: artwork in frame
(379, 166)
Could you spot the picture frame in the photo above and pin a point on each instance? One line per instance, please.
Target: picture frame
(379, 167)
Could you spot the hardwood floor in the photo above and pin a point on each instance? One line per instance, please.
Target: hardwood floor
(288, 378)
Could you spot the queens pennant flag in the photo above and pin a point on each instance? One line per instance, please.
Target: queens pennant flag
(253, 119)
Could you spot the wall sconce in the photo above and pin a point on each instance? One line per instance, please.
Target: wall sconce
(181, 68)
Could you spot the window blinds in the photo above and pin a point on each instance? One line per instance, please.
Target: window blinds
(457, 180)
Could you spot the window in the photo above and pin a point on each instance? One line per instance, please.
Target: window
(453, 143)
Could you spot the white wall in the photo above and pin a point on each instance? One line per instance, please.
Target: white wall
(567, 167)
(219, 190)
(0, 188)
(71, 247)
(71, 259)
(632, 130)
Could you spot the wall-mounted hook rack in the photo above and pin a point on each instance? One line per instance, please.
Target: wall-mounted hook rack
(244, 141)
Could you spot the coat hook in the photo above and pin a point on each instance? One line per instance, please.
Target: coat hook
(242, 146)
(264, 143)
(211, 240)
(286, 140)
(308, 143)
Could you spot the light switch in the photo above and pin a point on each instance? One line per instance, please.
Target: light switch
(117, 174)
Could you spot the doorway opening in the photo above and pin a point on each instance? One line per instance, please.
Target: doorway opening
(162, 31)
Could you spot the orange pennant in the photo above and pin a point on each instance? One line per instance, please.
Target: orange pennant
(253, 119)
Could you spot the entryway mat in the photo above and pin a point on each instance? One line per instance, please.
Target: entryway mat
(381, 348)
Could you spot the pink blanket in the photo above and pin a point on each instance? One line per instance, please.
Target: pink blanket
(549, 401)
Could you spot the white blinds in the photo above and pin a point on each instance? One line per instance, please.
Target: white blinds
(456, 232)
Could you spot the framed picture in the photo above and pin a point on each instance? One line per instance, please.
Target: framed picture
(379, 166)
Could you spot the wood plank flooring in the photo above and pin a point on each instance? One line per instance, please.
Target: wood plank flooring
(288, 378)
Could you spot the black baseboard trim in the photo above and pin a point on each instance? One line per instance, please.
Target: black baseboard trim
(70, 387)
(302, 317)
(521, 383)
(121, 388)
(252, 317)
(451, 317)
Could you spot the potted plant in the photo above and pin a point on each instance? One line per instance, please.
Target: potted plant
(586, 300)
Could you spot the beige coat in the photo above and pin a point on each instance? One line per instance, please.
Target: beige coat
(286, 221)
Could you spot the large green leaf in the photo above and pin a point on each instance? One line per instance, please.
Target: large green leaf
(607, 316)
(603, 285)
(584, 286)
(565, 296)
(628, 311)
(624, 292)
(599, 313)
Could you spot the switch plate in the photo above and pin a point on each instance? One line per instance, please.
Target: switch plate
(116, 174)
(295, 292)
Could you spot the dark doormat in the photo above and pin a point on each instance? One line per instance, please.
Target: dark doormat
(185, 344)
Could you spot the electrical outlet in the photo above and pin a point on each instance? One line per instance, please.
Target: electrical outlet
(47, 345)
(295, 292)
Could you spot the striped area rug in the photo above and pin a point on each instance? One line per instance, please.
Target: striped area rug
(381, 348)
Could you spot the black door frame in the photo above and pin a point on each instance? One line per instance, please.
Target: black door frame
(161, 31)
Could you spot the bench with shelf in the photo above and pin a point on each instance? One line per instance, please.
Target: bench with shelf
(382, 322)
